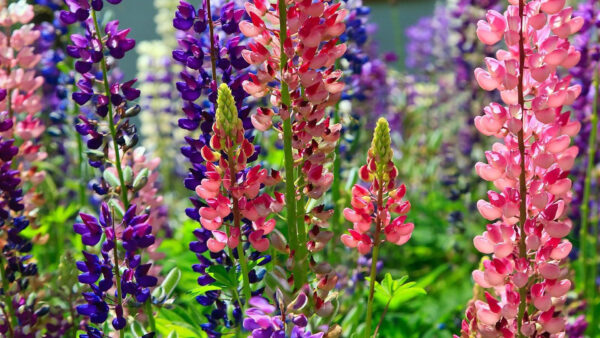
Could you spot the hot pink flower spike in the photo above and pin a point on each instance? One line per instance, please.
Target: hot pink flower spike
(230, 186)
(311, 49)
(381, 173)
(526, 281)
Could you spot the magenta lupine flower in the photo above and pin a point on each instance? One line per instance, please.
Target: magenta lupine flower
(227, 171)
(311, 50)
(526, 281)
(377, 203)
(313, 32)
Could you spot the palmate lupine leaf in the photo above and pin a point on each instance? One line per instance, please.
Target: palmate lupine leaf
(394, 292)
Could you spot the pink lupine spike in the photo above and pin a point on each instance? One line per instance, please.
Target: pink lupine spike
(536, 135)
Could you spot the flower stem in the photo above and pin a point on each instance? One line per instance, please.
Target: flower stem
(335, 186)
(589, 266)
(290, 195)
(213, 53)
(11, 318)
(117, 271)
(237, 220)
(111, 122)
(374, 258)
(522, 178)
(150, 315)
(113, 132)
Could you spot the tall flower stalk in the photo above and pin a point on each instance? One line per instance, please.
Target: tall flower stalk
(111, 137)
(227, 204)
(295, 57)
(374, 205)
(525, 279)
(19, 127)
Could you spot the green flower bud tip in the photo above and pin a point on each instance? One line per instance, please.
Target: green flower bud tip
(381, 147)
(227, 114)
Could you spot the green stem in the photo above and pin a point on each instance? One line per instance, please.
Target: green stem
(213, 53)
(374, 258)
(111, 122)
(385, 310)
(113, 132)
(237, 223)
(150, 315)
(245, 271)
(290, 195)
(522, 178)
(591, 264)
(117, 271)
(7, 299)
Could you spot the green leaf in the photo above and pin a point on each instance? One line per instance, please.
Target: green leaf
(222, 276)
(396, 292)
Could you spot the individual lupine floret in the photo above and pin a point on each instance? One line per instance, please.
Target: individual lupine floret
(530, 170)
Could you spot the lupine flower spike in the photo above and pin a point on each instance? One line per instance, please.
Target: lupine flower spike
(525, 281)
(375, 205)
(20, 128)
(230, 188)
(295, 57)
(111, 138)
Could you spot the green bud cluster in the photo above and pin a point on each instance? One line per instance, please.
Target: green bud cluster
(227, 114)
(381, 147)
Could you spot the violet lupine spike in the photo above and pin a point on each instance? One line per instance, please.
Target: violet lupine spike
(114, 153)
(524, 280)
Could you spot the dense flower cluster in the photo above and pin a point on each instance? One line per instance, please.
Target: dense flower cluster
(300, 76)
(135, 233)
(196, 81)
(19, 104)
(21, 81)
(226, 158)
(232, 207)
(127, 184)
(198, 89)
(527, 240)
(376, 203)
